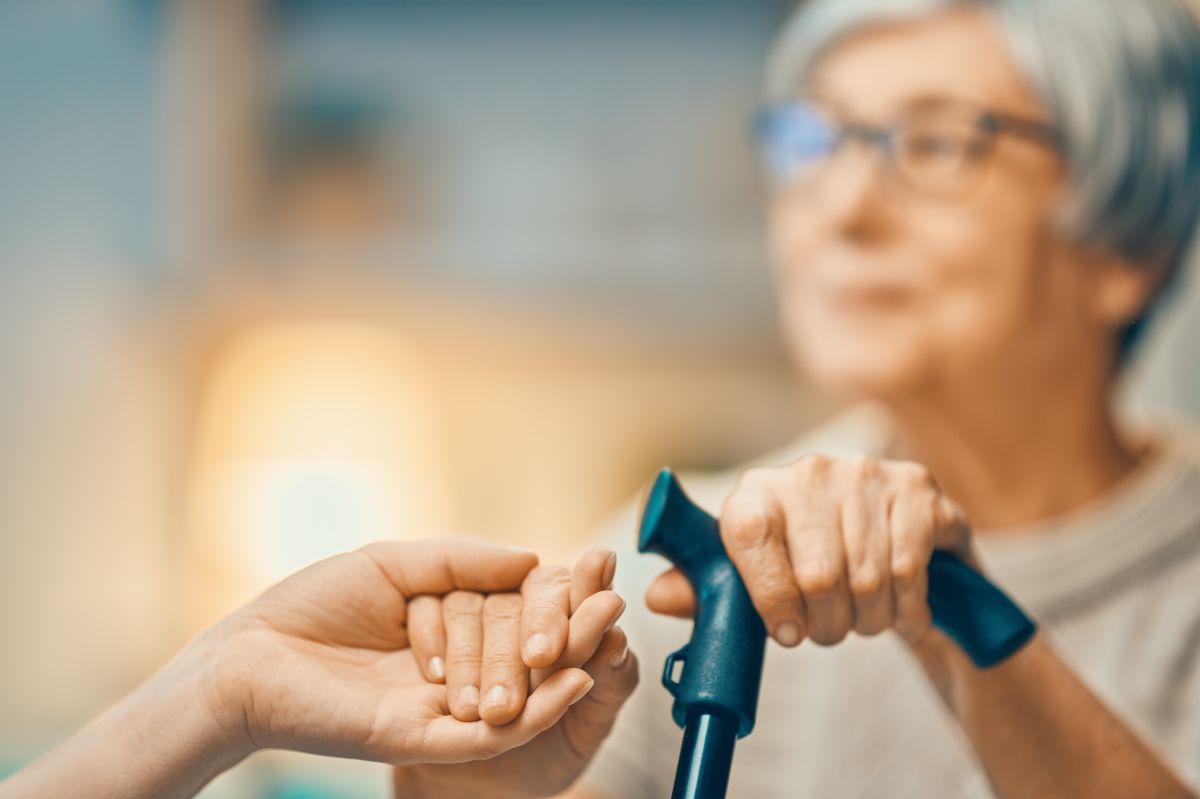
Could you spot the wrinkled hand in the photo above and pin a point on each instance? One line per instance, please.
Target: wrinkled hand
(321, 662)
(829, 545)
(565, 620)
(483, 646)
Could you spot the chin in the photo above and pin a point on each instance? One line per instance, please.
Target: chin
(875, 369)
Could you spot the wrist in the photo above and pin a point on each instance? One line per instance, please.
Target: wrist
(211, 678)
(941, 659)
(166, 739)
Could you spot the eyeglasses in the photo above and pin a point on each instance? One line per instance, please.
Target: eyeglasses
(940, 150)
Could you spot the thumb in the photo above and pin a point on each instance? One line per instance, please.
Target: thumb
(439, 566)
(671, 595)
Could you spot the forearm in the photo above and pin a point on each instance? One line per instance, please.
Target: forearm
(163, 740)
(1039, 731)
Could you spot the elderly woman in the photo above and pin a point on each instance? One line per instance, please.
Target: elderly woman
(977, 205)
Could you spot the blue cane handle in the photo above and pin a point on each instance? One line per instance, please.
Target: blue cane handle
(981, 619)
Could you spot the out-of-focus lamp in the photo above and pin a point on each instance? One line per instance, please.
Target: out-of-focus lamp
(311, 438)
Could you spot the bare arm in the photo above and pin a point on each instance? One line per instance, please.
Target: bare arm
(1039, 731)
(320, 663)
(163, 740)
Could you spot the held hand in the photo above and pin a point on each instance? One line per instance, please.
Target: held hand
(829, 545)
(321, 662)
(484, 646)
(551, 762)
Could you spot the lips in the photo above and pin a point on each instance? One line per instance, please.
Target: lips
(869, 296)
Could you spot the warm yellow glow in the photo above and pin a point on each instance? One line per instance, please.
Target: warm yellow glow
(312, 438)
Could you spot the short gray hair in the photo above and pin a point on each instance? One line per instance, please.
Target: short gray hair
(1120, 78)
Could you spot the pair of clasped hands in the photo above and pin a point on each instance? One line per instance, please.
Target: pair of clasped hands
(437, 652)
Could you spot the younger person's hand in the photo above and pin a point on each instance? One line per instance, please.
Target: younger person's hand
(321, 662)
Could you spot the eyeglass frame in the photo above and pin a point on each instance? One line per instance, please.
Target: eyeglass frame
(882, 137)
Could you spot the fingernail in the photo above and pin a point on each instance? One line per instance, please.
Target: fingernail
(497, 697)
(610, 570)
(539, 644)
(583, 691)
(469, 697)
(618, 659)
(621, 610)
(518, 548)
(787, 634)
(437, 668)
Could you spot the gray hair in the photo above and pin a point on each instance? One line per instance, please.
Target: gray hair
(1120, 79)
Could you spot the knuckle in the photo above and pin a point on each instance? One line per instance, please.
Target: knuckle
(914, 475)
(502, 662)
(866, 582)
(548, 576)
(812, 465)
(462, 603)
(747, 528)
(543, 607)
(818, 579)
(426, 614)
(462, 656)
(862, 466)
(550, 572)
(502, 607)
(906, 571)
(754, 476)
(779, 593)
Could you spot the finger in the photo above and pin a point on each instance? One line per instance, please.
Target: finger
(448, 740)
(593, 572)
(953, 531)
(438, 566)
(462, 614)
(753, 528)
(612, 655)
(427, 636)
(868, 562)
(818, 559)
(546, 593)
(912, 525)
(671, 595)
(615, 669)
(504, 678)
(586, 629)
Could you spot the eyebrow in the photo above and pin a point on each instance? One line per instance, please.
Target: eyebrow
(930, 101)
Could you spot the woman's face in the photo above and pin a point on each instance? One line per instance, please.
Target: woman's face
(887, 290)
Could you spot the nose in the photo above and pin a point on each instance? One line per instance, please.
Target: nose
(848, 195)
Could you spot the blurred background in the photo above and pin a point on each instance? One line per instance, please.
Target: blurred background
(281, 277)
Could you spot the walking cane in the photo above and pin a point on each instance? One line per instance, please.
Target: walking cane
(715, 676)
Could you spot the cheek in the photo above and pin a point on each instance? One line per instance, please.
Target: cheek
(976, 291)
(991, 289)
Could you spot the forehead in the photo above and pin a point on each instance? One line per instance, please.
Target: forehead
(889, 68)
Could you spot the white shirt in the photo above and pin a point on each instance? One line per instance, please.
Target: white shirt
(1115, 586)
